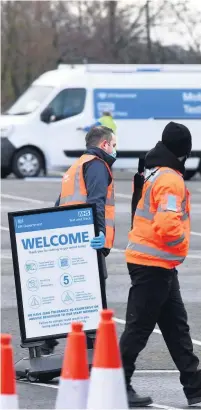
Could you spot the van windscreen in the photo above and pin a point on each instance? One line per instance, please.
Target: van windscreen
(30, 100)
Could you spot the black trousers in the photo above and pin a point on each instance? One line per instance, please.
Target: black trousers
(154, 297)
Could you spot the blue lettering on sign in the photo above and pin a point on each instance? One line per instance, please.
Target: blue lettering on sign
(55, 240)
(39, 243)
(127, 104)
(28, 243)
(85, 237)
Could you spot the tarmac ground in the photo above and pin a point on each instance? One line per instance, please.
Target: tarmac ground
(156, 374)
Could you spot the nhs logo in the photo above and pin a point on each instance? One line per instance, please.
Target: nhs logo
(19, 222)
(84, 213)
(102, 95)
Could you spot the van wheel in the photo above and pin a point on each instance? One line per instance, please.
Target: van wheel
(27, 162)
(5, 172)
(189, 174)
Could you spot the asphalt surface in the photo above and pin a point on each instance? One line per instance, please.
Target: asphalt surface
(156, 373)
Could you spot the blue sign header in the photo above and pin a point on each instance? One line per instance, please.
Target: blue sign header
(127, 104)
(53, 220)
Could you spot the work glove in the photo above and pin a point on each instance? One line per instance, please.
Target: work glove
(98, 242)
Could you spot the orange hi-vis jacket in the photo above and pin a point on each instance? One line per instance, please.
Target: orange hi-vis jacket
(161, 226)
(74, 192)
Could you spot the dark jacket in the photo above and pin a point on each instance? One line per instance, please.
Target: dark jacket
(97, 179)
(160, 156)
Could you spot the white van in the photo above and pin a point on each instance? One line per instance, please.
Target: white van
(41, 131)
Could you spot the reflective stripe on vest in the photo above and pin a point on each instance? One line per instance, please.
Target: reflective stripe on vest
(185, 215)
(78, 197)
(137, 247)
(110, 222)
(145, 212)
(176, 241)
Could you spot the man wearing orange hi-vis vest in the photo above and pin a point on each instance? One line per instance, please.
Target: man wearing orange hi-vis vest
(89, 180)
(158, 243)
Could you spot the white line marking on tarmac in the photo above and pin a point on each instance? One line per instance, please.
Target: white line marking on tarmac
(43, 179)
(4, 228)
(196, 233)
(5, 257)
(162, 406)
(157, 371)
(126, 196)
(116, 250)
(194, 256)
(22, 198)
(122, 322)
(52, 386)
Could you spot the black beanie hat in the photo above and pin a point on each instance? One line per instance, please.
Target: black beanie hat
(177, 138)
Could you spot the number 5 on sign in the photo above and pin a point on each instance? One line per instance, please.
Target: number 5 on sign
(66, 279)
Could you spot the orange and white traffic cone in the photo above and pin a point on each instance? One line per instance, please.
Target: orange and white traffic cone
(107, 388)
(8, 396)
(74, 380)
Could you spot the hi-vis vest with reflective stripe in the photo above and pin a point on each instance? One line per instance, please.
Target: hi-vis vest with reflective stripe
(144, 246)
(74, 192)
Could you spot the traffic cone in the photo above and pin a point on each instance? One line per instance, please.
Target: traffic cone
(73, 386)
(8, 396)
(107, 385)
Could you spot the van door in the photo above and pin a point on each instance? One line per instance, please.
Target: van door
(67, 114)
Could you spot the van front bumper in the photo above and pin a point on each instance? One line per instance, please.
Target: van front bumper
(7, 151)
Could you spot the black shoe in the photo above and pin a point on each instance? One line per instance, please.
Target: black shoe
(48, 347)
(194, 400)
(134, 400)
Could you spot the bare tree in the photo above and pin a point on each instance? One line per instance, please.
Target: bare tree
(149, 42)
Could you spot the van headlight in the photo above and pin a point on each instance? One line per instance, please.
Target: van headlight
(6, 131)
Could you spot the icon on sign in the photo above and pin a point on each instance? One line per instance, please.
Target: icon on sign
(67, 297)
(102, 95)
(33, 284)
(34, 302)
(64, 262)
(31, 266)
(66, 279)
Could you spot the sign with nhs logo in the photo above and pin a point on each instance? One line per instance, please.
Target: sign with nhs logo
(59, 276)
(128, 104)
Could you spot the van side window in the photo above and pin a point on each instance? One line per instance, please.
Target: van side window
(68, 103)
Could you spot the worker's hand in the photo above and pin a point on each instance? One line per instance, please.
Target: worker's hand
(98, 242)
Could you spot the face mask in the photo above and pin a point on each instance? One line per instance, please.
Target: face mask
(114, 153)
